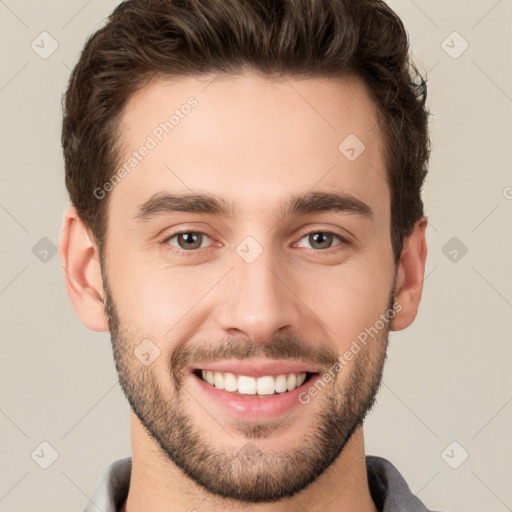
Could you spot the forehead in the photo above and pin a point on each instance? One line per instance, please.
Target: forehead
(252, 140)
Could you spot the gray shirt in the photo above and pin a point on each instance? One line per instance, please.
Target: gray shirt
(389, 490)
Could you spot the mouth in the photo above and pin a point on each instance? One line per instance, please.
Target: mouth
(253, 390)
(246, 385)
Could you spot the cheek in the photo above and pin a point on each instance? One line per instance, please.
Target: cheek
(348, 298)
(339, 301)
(157, 301)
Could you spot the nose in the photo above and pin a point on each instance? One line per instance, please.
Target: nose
(258, 300)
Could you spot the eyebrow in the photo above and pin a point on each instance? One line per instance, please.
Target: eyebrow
(302, 204)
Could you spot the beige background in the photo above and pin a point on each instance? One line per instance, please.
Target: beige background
(448, 376)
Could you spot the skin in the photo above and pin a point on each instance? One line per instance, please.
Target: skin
(255, 142)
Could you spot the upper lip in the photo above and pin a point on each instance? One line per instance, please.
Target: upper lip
(258, 368)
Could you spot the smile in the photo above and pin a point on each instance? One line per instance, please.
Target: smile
(255, 389)
(266, 385)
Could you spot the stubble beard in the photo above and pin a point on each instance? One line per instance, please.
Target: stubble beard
(250, 473)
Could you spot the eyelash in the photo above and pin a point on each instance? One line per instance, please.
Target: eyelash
(193, 252)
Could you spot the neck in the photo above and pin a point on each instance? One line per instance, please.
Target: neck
(158, 485)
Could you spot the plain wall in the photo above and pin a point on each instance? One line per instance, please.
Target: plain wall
(447, 378)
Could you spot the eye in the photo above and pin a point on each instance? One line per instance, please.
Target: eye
(323, 240)
(190, 241)
(187, 240)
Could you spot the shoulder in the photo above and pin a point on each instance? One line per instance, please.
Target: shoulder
(389, 489)
(111, 488)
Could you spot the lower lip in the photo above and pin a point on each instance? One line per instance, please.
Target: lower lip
(255, 406)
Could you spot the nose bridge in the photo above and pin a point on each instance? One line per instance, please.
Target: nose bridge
(257, 299)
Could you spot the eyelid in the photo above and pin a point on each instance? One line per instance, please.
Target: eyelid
(181, 231)
(192, 252)
(343, 239)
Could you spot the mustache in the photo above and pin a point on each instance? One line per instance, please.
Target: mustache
(282, 347)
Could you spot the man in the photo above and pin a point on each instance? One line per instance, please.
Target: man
(246, 220)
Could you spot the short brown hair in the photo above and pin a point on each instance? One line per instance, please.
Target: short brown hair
(146, 39)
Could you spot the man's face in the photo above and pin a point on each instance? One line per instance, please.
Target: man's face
(260, 297)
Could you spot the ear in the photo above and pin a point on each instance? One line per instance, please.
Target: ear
(409, 277)
(82, 273)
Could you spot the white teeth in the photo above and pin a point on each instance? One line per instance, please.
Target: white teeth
(230, 382)
(300, 379)
(263, 386)
(219, 380)
(281, 383)
(246, 385)
(291, 382)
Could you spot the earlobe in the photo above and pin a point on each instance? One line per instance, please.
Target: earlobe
(82, 274)
(409, 277)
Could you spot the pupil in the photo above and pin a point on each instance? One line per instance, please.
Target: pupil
(324, 239)
(191, 239)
